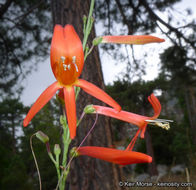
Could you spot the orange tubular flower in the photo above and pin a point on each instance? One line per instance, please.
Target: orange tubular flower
(121, 157)
(67, 60)
(133, 118)
(131, 39)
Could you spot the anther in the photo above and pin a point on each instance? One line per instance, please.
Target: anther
(163, 123)
(74, 59)
(65, 67)
(63, 59)
(74, 62)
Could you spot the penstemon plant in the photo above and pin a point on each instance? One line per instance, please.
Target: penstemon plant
(67, 57)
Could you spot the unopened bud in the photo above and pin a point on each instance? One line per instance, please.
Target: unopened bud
(57, 149)
(63, 120)
(84, 19)
(42, 137)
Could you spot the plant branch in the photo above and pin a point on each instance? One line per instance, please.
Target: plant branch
(171, 28)
(5, 7)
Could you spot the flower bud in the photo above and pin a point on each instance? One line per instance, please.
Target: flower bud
(42, 137)
(63, 120)
(57, 149)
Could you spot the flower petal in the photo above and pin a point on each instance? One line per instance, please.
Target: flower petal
(132, 118)
(132, 143)
(74, 44)
(121, 157)
(70, 105)
(129, 117)
(131, 39)
(41, 101)
(66, 54)
(97, 93)
(156, 106)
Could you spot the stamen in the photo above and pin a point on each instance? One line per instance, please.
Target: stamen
(163, 123)
(65, 67)
(69, 66)
(74, 59)
(76, 67)
(63, 59)
(74, 62)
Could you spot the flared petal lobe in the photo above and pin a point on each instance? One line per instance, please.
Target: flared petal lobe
(132, 118)
(131, 39)
(41, 101)
(70, 105)
(115, 156)
(97, 93)
(156, 106)
(66, 54)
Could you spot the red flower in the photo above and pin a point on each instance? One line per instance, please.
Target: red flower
(67, 60)
(121, 157)
(133, 118)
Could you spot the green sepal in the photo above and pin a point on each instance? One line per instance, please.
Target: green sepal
(97, 41)
(89, 109)
(73, 152)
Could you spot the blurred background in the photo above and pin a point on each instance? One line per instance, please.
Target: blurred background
(128, 73)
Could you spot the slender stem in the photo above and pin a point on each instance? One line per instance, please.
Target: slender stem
(57, 167)
(88, 52)
(88, 25)
(66, 142)
(66, 169)
(93, 126)
(35, 160)
(77, 91)
(52, 158)
(56, 163)
(81, 117)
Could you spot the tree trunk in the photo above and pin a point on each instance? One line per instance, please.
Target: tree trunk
(87, 173)
(191, 109)
(152, 169)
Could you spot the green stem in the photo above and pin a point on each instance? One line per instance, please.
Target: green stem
(57, 167)
(88, 26)
(66, 143)
(88, 52)
(56, 163)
